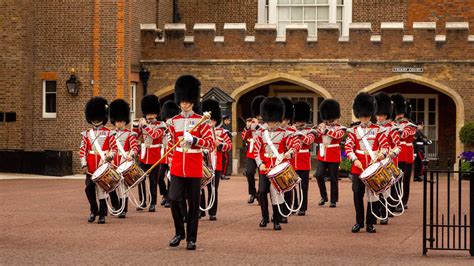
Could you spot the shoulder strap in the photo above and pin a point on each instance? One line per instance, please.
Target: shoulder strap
(96, 144)
(366, 143)
(266, 138)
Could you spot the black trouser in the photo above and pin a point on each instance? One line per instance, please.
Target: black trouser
(304, 174)
(250, 170)
(418, 173)
(333, 171)
(179, 186)
(358, 188)
(161, 179)
(406, 168)
(213, 210)
(100, 210)
(226, 162)
(153, 184)
(116, 202)
(264, 190)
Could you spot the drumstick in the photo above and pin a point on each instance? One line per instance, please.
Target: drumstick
(205, 117)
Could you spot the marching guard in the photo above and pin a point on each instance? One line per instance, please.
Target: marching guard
(383, 115)
(151, 132)
(186, 167)
(97, 147)
(248, 135)
(302, 158)
(270, 150)
(330, 135)
(407, 135)
(365, 144)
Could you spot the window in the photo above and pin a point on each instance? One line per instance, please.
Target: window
(310, 12)
(49, 98)
(133, 96)
(424, 109)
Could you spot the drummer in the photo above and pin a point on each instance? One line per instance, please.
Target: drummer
(271, 136)
(383, 115)
(97, 146)
(126, 140)
(365, 144)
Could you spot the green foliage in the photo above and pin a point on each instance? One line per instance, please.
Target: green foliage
(345, 165)
(465, 168)
(467, 133)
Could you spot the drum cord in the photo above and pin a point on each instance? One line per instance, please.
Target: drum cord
(123, 198)
(291, 210)
(144, 200)
(212, 197)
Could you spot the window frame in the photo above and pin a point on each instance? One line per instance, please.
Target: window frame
(133, 100)
(49, 115)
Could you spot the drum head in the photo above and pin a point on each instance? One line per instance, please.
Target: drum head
(100, 171)
(385, 161)
(124, 166)
(370, 170)
(277, 169)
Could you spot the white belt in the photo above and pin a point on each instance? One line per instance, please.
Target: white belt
(362, 152)
(303, 151)
(95, 152)
(268, 155)
(420, 143)
(405, 143)
(189, 150)
(330, 145)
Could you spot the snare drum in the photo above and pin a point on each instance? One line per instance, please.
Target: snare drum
(106, 177)
(283, 177)
(130, 171)
(377, 178)
(392, 168)
(207, 175)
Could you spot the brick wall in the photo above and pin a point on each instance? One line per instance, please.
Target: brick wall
(164, 12)
(376, 11)
(219, 12)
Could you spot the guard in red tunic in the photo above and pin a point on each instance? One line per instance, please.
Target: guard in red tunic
(365, 144)
(248, 136)
(187, 159)
(383, 115)
(302, 158)
(168, 111)
(97, 147)
(271, 137)
(222, 145)
(330, 135)
(127, 147)
(407, 135)
(150, 131)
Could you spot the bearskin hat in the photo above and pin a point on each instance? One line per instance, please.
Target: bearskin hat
(272, 109)
(329, 110)
(97, 109)
(364, 105)
(169, 110)
(187, 89)
(302, 112)
(150, 104)
(384, 104)
(289, 109)
(214, 108)
(408, 111)
(119, 111)
(255, 105)
(399, 104)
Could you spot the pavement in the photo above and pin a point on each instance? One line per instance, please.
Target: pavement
(44, 221)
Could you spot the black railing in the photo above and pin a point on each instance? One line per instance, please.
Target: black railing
(446, 227)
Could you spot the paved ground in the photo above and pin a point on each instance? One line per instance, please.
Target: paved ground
(44, 222)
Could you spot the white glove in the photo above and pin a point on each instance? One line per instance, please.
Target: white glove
(188, 137)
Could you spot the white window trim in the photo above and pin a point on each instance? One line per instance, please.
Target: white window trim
(313, 95)
(48, 114)
(272, 13)
(133, 100)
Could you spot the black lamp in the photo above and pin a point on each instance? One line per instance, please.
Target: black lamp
(144, 76)
(72, 84)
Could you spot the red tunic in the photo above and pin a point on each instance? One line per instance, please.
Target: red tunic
(264, 154)
(151, 136)
(407, 136)
(223, 144)
(128, 140)
(393, 139)
(248, 135)
(88, 154)
(302, 159)
(355, 148)
(293, 141)
(188, 162)
(329, 143)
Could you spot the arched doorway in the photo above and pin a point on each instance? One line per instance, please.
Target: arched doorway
(166, 93)
(436, 105)
(278, 84)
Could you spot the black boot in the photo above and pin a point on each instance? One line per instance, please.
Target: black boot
(263, 222)
(370, 228)
(91, 218)
(356, 228)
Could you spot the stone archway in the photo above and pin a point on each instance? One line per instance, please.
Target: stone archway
(271, 78)
(162, 92)
(460, 116)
